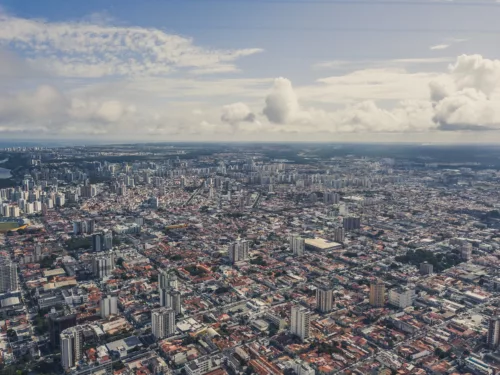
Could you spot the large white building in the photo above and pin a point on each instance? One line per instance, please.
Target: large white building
(163, 322)
(8, 276)
(108, 306)
(324, 298)
(297, 245)
(401, 297)
(300, 323)
(239, 251)
(71, 346)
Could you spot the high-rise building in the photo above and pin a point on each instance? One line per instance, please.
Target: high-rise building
(102, 241)
(37, 252)
(339, 234)
(377, 293)
(8, 276)
(163, 322)
(168, 280)
(57, 324)
(493, 338)
(173, 300)
(331, 197)
(352, 223)
(426, 268)
(239, 251)
(297, 245)
(466, 251)
(71, 346)
(300, 323)
(103, 264)
(108, 306)
(324, 298)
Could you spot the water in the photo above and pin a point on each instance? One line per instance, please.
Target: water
(4, 173)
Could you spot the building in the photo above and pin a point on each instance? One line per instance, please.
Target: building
(239, 251)
(71, 346)
(108, 306)
(426, 268)
(103, 264)
(297, 245)
(322, 245)
(377, 293)
(201, 366)
(300, 322)
(466, 251)
(168, 280)
(352, 223)
(102, 241)
(324, 299)
(57, 324)
(401, 297)
(330, 197)
(8, 276)
(339, 234)
(493, 337)
(163, 322)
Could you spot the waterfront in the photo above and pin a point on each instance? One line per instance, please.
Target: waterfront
(4, 173)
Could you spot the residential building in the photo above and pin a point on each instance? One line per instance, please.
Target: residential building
(163, 322)
(300, 323)
(108, 306)
(377, 293)
(324, 298)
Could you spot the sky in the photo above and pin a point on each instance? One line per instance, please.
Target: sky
(250, 70)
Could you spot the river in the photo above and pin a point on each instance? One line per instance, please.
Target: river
(4, 173)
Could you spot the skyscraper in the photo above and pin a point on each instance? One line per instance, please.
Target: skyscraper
(300, 322)
(377, 293)
(8, 276)
(57, 324)
(239, 251)
(163, 322)
(108, 306)
(493, 338)
(71, 346)
(324, 298)
(298, 245)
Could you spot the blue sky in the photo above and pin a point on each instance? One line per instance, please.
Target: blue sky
(251, 70)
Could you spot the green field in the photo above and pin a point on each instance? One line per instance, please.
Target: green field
(6, 226)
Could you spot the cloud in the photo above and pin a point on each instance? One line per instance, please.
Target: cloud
(97, 49)
(396, 63)
(282, 105)
(237, 112)
(439, 47)
(468, 98)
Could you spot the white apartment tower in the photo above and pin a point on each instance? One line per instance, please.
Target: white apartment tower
(108, 306)
(163, 322)
(324, 299)
(71, 346)
(300, 322)
(297, 245)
